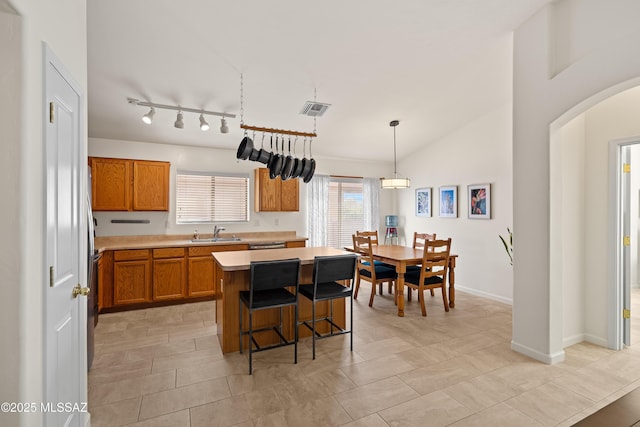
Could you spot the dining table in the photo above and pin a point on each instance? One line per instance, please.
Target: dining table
(401, 257)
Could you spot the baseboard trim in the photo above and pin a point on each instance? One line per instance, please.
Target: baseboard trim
(549, 359)
(482, 294)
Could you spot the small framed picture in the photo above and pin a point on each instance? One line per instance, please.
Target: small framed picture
(449, 201)
(423, 202)
(479, 201)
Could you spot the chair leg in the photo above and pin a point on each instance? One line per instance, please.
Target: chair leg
(295, 337)
(444, 298)
(390, 286)
(351, 324)
(373, 294)
(380, 287)
(421, 298)
(240, 323)
(432, 294)
(357, 287)
(409, 294)
(313, 327)
(250, 342)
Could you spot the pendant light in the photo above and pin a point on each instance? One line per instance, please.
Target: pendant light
(395, 182)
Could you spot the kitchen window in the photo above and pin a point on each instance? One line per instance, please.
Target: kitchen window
(207, 197)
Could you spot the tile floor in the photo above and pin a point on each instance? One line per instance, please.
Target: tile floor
(164, 367)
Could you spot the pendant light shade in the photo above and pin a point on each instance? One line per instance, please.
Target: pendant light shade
(395, 182)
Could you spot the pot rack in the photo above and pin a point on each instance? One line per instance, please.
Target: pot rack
(278, 131)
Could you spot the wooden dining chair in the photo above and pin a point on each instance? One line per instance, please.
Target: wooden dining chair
(433, 271)
(366, 268)
(375, 242)
(418, 243)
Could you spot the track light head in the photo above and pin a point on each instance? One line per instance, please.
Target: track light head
(179, 123)
(148, 118)
(223, 126)
(204, 126)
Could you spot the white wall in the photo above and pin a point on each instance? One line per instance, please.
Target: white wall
(63, 26)
(552, 87)
(567, 220)
(210, 159)
(477, 153)
(10, 271)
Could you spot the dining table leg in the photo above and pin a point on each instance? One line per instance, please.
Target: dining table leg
(400, 270)
(452, 282)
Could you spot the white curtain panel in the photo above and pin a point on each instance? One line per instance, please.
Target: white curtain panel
(371, 203)
(317, 210)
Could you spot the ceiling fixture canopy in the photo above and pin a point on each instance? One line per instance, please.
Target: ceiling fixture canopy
(179, 123)
(395, 182)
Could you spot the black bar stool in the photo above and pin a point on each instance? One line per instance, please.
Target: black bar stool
(327, 271)
(268, 289)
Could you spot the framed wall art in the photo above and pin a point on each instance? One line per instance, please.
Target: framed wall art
(423, 201)
(449, 201)
(479, 201)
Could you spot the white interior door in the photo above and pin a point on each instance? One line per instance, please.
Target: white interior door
(65, 365)
(626, 243)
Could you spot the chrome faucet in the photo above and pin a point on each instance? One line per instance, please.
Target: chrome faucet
(216, 231)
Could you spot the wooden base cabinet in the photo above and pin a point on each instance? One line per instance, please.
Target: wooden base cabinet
(131, 277)
(169, 274)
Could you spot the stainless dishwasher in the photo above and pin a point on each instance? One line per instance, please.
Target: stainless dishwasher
(267, 245)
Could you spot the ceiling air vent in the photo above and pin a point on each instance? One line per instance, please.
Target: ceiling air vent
(314, 109)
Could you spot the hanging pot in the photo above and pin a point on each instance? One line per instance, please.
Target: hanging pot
(297, 163)
(245, 147)
(275, 168)
(312, 169)
(306, 164)
(272, 155)
(263, 155)
(253, 156)
(287, 167)
(297, 173)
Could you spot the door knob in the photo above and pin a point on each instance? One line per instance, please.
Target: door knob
(77, 290)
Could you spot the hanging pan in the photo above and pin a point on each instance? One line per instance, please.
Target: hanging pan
(263, 155)
(302, 162)
(245, 147)
(312, 166)
(287, 167)
(275, 168)
(253, 156)
(297, 163)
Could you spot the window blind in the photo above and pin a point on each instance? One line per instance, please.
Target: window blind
(204, 197)
(346, 211)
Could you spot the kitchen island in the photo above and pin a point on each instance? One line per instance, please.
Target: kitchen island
(232, 272)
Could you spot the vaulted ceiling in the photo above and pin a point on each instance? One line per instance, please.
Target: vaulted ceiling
(435, 65)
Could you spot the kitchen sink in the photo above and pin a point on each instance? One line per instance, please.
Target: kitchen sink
(216, 239)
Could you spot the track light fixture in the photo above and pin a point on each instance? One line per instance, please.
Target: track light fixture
(148, 118)
(223, 126)
(179, 123)
(204, 126)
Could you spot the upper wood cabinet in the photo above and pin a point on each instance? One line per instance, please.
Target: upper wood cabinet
(110, 184)
(150, 186)
(275, 195)
(125, 185)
